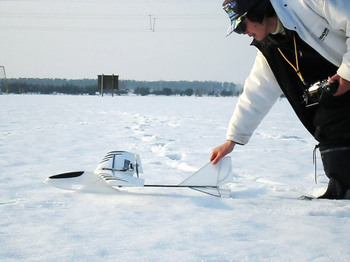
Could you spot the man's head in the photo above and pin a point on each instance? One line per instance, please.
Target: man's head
(249, 17)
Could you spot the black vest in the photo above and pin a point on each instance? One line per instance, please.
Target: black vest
(321, 121)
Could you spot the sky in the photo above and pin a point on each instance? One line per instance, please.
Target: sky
(147, 40)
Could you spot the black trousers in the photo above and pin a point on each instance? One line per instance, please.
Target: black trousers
(336, 162)
(332, 122)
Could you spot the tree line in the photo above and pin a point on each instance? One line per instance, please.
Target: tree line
(143, 88)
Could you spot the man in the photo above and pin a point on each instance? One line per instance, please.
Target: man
(299, 42)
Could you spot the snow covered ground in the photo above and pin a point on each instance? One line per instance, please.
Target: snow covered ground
(262, 220)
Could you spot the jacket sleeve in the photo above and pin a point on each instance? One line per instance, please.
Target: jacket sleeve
(337, 14)
(260, 93)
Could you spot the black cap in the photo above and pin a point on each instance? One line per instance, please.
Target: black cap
(237, 8)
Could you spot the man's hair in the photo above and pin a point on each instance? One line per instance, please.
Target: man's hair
(258, 14)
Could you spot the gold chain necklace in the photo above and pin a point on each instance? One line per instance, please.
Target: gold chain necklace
(296, 67)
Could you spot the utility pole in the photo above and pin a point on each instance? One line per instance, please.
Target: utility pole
(152, 26)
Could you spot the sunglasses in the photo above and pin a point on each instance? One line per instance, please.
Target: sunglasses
(238, 25)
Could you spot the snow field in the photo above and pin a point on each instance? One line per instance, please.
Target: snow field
(262, 220)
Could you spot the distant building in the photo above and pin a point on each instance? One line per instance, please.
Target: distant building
(108, 82)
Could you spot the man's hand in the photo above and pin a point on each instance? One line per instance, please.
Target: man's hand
(222, 151)
(344, 85)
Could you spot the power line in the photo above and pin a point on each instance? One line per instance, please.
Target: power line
(145, 22)
(106, 16)
(110, 29)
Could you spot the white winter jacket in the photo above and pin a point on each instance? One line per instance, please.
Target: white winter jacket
(324, 25)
